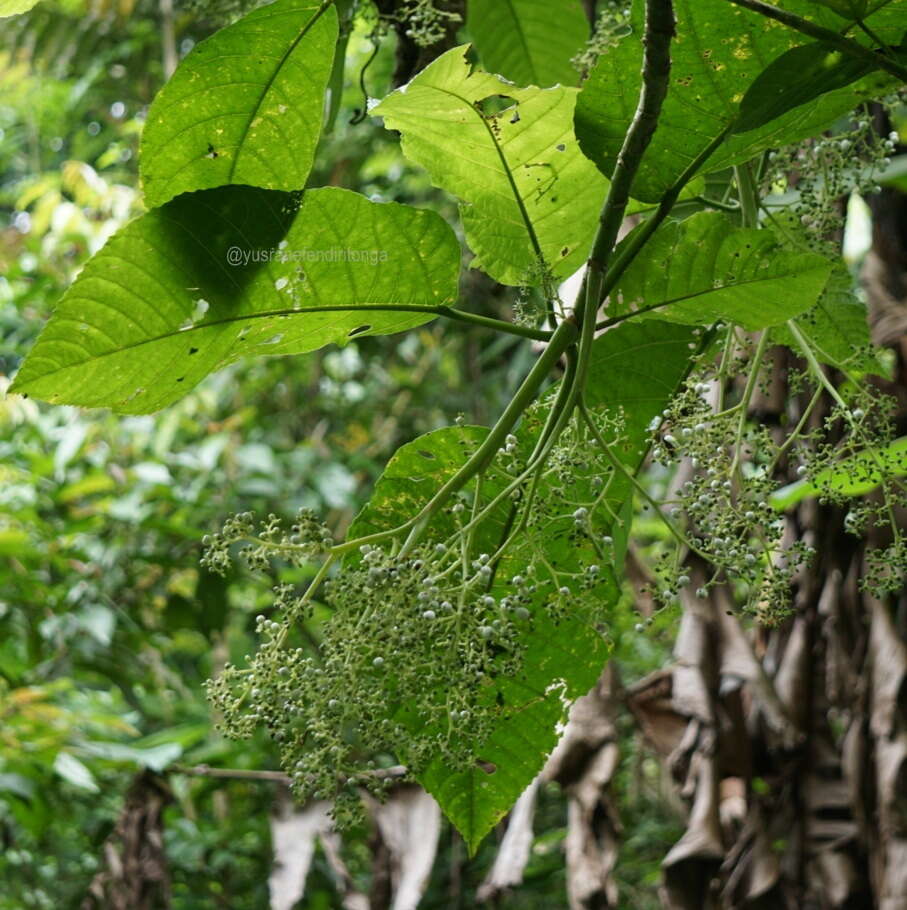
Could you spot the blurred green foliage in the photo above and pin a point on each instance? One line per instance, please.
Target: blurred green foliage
(108, 627)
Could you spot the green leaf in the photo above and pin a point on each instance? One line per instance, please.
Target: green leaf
(796, 77)
(530, 42)
(160, 306)
(75, 773)
(15, 7)
(634, 370)
(703, 269)
(854, 476)
(849, 9)
(245, 106)
(520, 164)
(719, 53)
(837, 326)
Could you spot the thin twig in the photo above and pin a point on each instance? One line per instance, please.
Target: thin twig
(277, 777)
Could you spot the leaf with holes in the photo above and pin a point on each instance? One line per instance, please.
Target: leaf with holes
(720, 52)
(218, 275)
(634, 370)
(245, 106)
(703, 270)
(524, 185)
(530, 42)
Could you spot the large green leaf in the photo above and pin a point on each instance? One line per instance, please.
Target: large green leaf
(163, 304)
(530, 42)
(517, 165)
(837, 326)
(635, 369)
(719, 52)
(703, 269)
(245, 106)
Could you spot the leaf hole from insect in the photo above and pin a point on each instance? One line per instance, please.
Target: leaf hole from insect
(358, 330)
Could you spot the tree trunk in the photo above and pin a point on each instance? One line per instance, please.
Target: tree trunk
(789, 744)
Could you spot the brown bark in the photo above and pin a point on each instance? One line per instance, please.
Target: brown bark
(135, 874)
(789, 744)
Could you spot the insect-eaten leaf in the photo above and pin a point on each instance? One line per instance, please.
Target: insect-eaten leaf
(719, 53)
(510, 156)
(704, 269)
(221, 274)
(244, 107)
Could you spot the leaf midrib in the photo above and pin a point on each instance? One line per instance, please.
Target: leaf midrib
(325, 5)
(266, 314)
(725, 287)
(522, 37)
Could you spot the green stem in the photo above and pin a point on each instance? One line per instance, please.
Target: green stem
(748, 195)
(378, 537)
(335, 83)
(524, 214)
(717, 204)
(563, 338)
(310, 592)
(874, 37)
(498, 325)
(729, 342)
(638, 239)
(656, 71)
(634, 481)
(752, 379)
(795, 433)
(561, 413)
(814, 364)
(825, 35)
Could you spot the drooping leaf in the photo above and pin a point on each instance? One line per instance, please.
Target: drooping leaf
(703, 269)
(218, 275)
(520, 164)
(530, 42)
(854, 476)
(634, 371)
(245, 106)
(720, 51)
(837, 326)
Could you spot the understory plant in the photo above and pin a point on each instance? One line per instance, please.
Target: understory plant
(690, 180)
